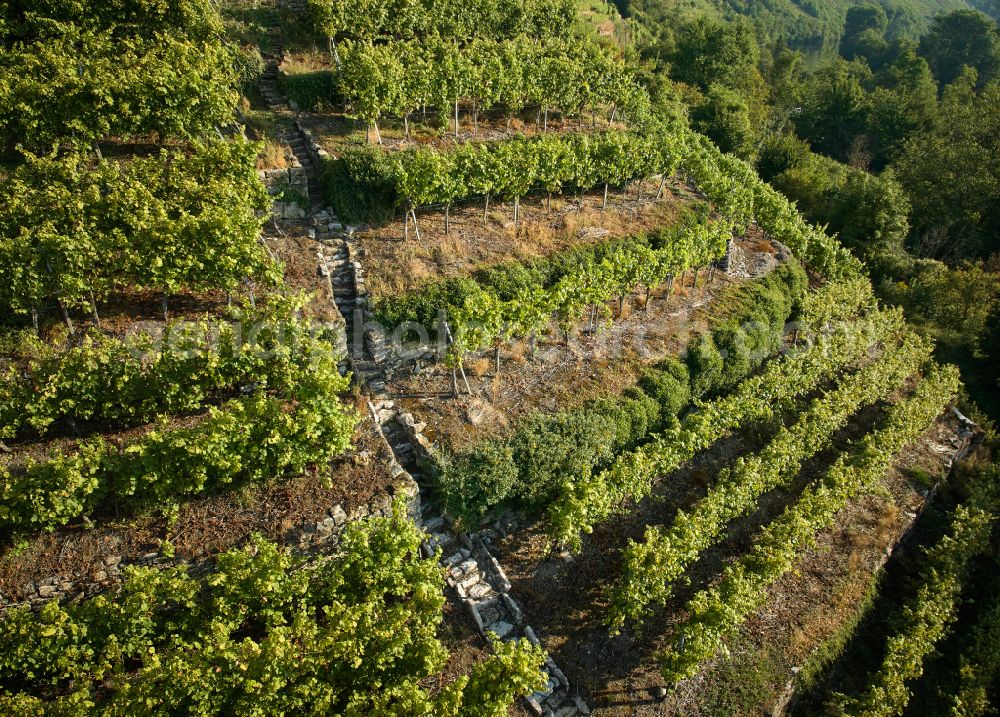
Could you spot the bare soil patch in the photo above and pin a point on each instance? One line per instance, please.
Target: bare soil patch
(476, 240)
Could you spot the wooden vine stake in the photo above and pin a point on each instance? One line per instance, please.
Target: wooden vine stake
(461, 370)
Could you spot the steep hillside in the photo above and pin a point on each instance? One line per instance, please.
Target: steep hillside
(809, 25)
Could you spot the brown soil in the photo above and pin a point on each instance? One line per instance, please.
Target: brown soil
(563, 598)
(297, 254)
(562, 376)
(203, 526)
(397, 265)
(334, 131)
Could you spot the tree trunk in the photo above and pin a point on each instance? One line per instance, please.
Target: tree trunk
(454, 381)
(447, 219)
(670, 285)
(368, 134)
(593, 317)
(475, 117)
(456, 118)
(604, 202)
(406, 126)
(517, 206)
(548, 202)
(486, 210)
(545, 122)
(659, 192)
(498, 358)
(35, 322)
(531, 346)
(645, 306)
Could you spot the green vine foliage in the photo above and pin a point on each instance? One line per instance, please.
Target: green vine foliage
(566, 74)
(131, 381)
(254, 438)
(586, 502)
(652, 566)
(532, 467)
(927, 616)
(452, 19)
(513, 168)
(716, 613)
(71, 227)
(265, 634)
(79, 71)
(510, 169)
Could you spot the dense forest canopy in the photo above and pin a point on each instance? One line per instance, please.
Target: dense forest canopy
(814, 27)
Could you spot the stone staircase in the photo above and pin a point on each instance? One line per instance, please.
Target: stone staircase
(471, 570)
(480, 583)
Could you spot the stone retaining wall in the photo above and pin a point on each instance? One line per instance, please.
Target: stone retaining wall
(285, 186)
(308, 539)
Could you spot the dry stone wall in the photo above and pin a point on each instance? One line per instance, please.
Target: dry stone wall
(313, 538)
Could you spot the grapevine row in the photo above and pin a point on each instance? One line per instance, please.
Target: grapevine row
(402, 77)
(131, 381)
(717, 612)
(739, 194)
(484, 320)
(530, 466)
(453, 19)
(248, 439)
(837, 300)
(265, 633)
(510, 169)
(651, 567)
(488, 315)
(595, 498)
(979, 664)
(926, 617)
(75, 230)
(77, 71)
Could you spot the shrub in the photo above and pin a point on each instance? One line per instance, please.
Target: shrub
(669, 384)
(359, 184)
(469, 483)
(705, 364)
(548, 448)
(311, 91)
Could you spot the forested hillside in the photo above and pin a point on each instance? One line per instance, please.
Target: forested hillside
(812, 27)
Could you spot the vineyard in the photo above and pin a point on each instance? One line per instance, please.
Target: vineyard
(340, 340)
